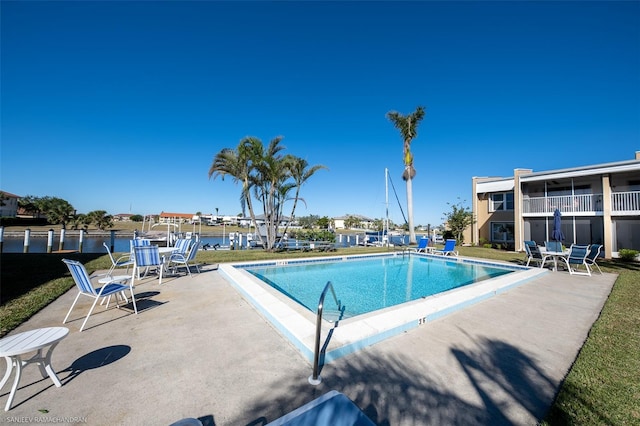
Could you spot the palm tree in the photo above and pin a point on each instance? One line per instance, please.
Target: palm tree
(300, 172)
(235, 163)
(267, 176)
(270, 172)
(248, 164)
(101, 219)
(408, 127)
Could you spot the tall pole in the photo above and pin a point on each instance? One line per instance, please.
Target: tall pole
(386, 200)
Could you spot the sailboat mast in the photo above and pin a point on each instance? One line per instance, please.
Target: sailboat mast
(386, 200)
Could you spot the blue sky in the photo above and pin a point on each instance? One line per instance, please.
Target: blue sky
(121, 106)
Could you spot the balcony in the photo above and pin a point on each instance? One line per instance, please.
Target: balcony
(568, 204)
(625, 203)
(622, 204)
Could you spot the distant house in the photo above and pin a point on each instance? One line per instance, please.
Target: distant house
(165, 217)
(600, 204)
(9, 207)
(124, 217)
(246, 222)
(365, 222)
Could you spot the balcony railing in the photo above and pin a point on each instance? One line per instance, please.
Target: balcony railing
(621, 203)
(582, 203)
(625, 202)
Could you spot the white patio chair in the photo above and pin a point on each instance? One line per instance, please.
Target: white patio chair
(138, 242)
(535, 255)
(86, 288)
(594, 252)
(577, 256)
(122, 261)
(181, 260)
(146, 257)
(181, 246)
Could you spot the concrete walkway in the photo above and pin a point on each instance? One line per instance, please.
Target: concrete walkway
(198, 349)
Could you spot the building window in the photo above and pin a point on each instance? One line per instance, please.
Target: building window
(501, 201)
(502, 232)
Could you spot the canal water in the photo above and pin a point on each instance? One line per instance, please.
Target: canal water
(93, 244)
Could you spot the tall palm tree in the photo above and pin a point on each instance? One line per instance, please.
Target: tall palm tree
(234, 163)
(259, 170)
(267, 176)
(408, 127)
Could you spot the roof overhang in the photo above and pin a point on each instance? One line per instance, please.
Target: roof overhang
(602, 169)
(502, 185)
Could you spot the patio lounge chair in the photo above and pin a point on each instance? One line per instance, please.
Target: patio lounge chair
(577, 256)
(448, 250)
(534, 254)
(85, 287)
(423, 246)
(594, 252)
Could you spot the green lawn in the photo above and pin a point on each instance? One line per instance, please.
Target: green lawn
(603, 386)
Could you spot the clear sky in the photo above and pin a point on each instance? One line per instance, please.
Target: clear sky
(121, 106)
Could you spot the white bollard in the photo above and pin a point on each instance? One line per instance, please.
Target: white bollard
(50, 241)
(27, 236)
(80, 240)
(61, 245)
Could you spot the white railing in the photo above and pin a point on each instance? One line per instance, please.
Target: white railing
(625, 201)
(582, 203)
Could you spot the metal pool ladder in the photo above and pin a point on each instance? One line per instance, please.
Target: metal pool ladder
(315, 379)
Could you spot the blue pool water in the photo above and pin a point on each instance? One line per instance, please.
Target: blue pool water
(374, 283)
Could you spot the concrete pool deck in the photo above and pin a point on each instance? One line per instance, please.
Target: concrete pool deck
(198, 349)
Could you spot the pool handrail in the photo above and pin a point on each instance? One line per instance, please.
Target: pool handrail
(315, 378)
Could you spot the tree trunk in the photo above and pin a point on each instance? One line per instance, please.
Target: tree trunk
(412, 232)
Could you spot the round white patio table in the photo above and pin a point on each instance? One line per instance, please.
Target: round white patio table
(13, 347)
(114, 279)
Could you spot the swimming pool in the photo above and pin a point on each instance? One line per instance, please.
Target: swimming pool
(298, 323)
(371, 284)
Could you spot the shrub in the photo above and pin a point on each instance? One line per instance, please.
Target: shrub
(448, 235)
(628, 255)
(314, 235)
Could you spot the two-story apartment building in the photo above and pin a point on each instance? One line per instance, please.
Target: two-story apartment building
(8, 204)
(599, 204)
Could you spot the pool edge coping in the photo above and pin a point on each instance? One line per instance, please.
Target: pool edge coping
(355, 334)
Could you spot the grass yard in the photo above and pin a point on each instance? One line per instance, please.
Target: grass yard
(603, 386)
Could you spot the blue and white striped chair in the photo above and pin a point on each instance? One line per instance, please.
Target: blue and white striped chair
(183, 260)
(86, 288)
(138, 242)
(181, 246)
(146, 257)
